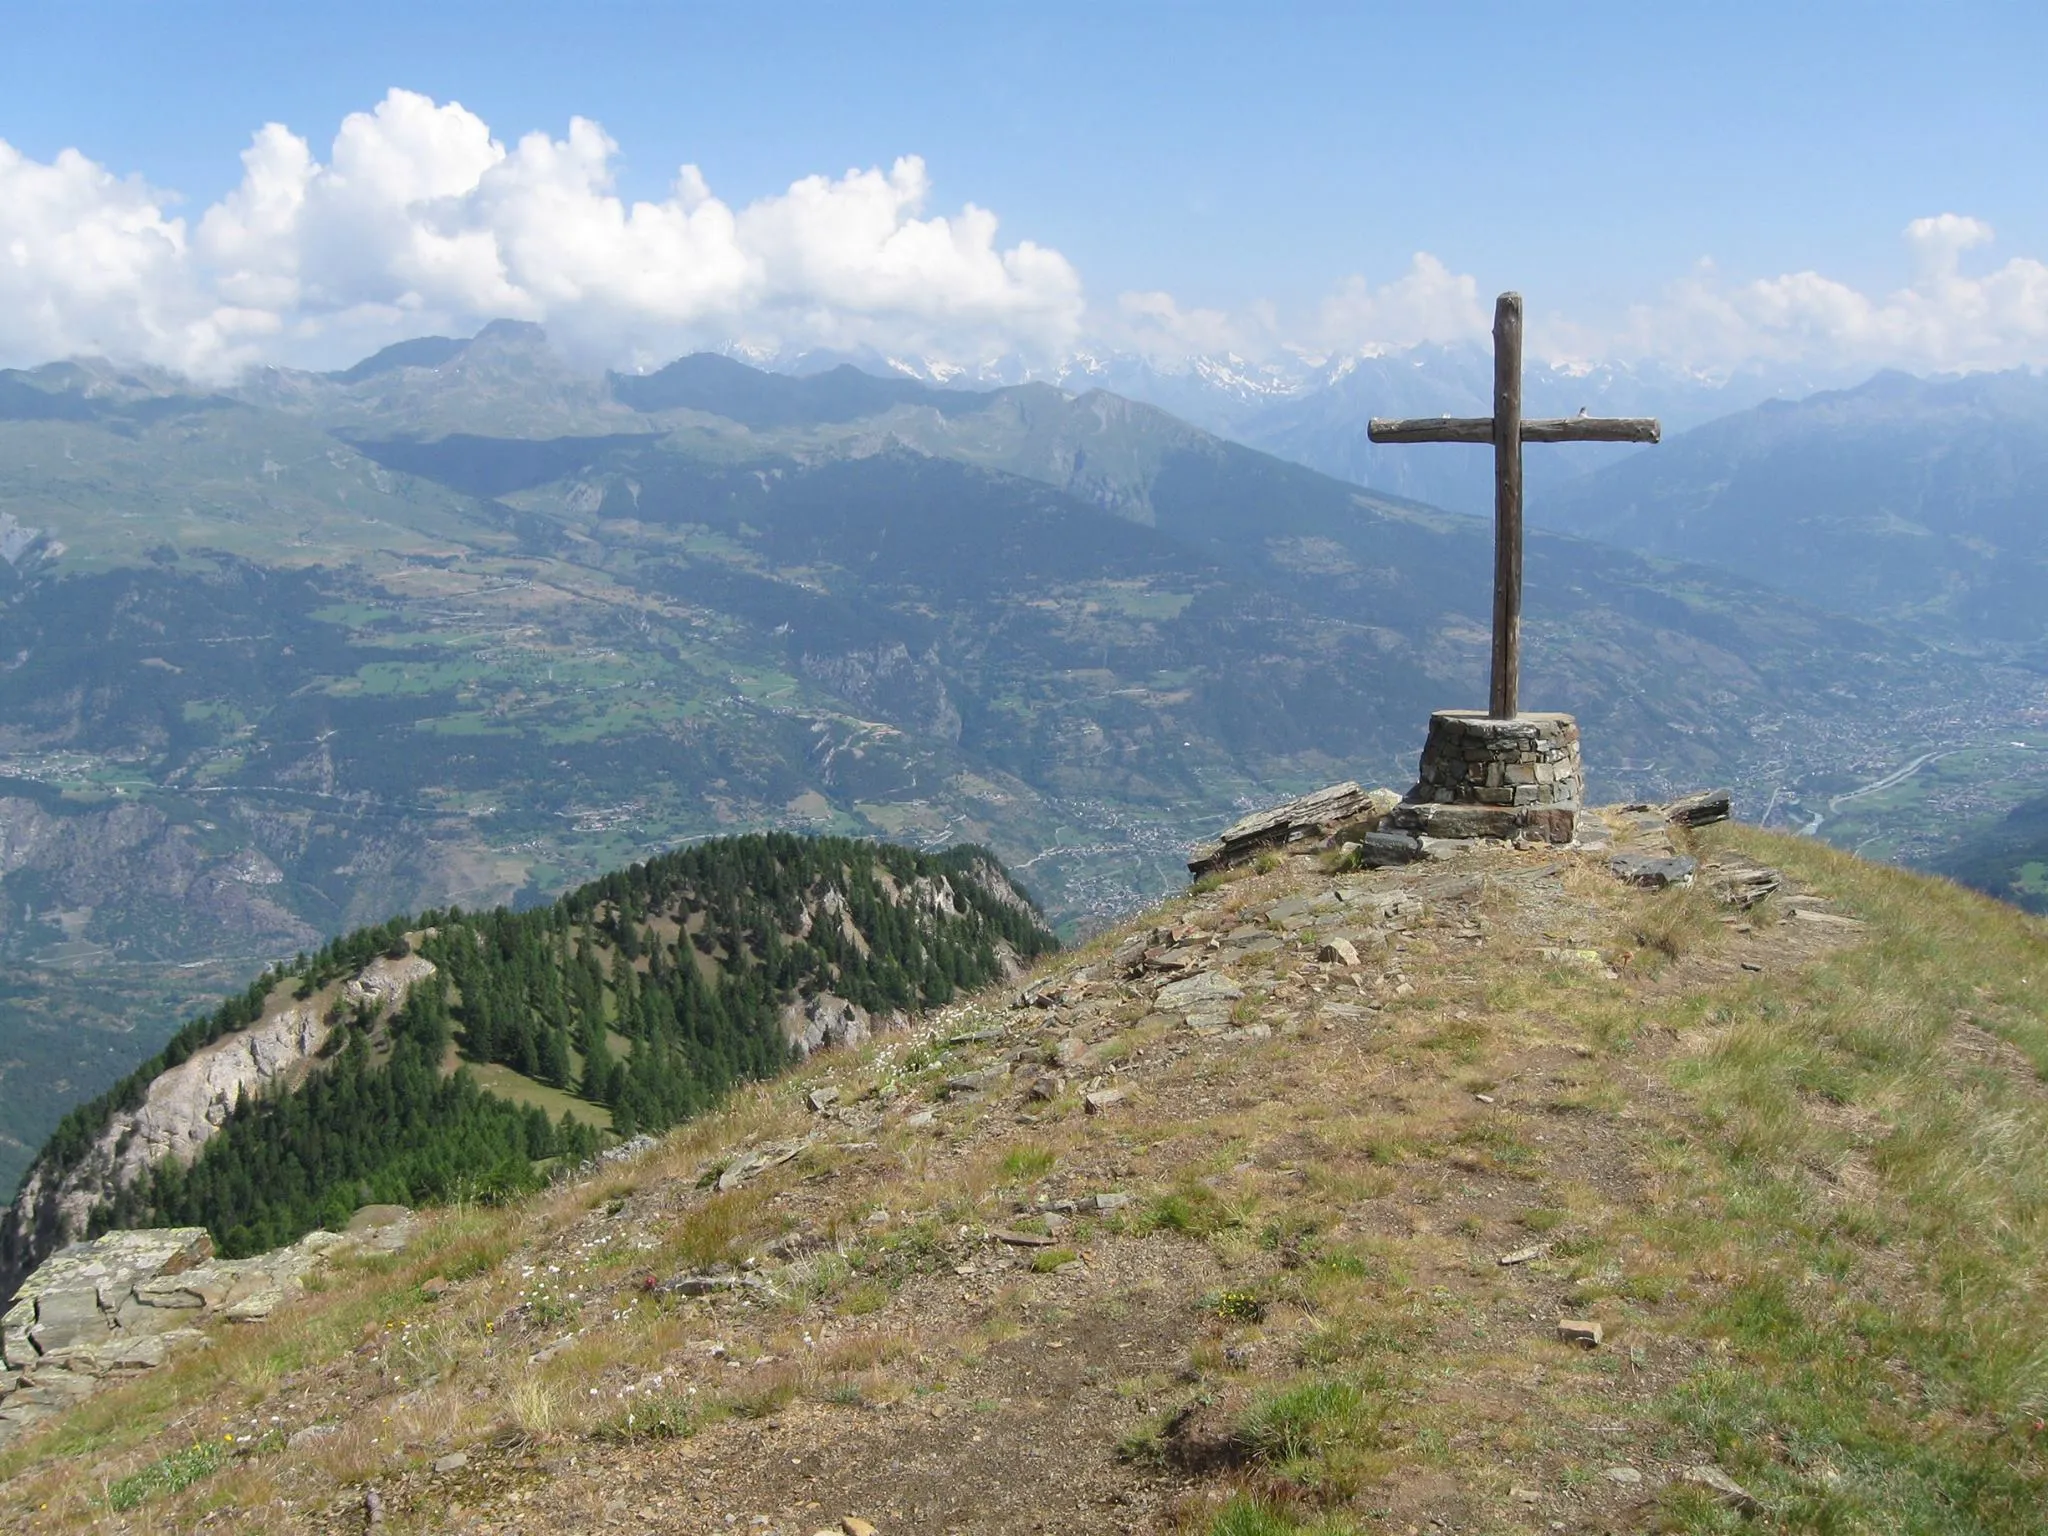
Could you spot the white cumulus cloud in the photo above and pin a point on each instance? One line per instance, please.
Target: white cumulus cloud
(90, 262)
(1427, 303)
(1944, 319)
(419, 219)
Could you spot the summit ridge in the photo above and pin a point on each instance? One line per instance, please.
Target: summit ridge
(1501, 1189)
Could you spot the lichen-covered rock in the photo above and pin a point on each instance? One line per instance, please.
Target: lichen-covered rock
(75, 1299)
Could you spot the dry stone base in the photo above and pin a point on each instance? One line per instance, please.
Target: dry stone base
(1483, 777)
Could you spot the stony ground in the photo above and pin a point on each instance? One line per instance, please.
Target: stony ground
(1214, 1227)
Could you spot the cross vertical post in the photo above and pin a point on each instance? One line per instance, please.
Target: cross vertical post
(1507, 431)
(1503, 700)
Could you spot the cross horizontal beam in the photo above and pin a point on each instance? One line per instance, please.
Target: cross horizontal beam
(1479, 429)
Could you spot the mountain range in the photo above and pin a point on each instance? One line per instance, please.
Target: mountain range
(1914, 501)
(464, 625)
(1313, 410)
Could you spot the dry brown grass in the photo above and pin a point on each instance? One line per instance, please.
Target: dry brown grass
(1796, 1199)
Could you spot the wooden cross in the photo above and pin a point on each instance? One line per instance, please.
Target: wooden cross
(1506, 430)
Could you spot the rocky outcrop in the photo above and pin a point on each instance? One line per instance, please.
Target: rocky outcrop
(995, 881)
(1702, 809)
(1326, 814)
(187, 1103)
(99, 1311)
(888, 681)
(385, 981)
(813, 1023)
(182, 1109)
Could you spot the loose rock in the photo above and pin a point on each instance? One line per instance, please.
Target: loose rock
(749, 1164)
(1825, 919)
(1719, 1483)
(1655, 873)
(1702, 809)
(1192, 992)
(1311, 818)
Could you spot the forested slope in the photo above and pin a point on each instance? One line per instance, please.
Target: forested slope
(630, 1004)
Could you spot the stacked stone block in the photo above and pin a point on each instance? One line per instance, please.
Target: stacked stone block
(1483, 777)
(1472, 760)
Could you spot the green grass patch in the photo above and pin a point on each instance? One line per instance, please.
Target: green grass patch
(1027, 1164)
(1314, 1432)
(1245, 1516)
(495, 1077)
(1193, 1210)
(169, 1474)
(650, 1416)
(1886, 1361)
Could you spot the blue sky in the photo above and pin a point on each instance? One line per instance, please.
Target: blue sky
(1225, 155)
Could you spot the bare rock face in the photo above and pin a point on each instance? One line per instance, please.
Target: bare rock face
(186, 1104)
(138, 871)
(385, 980)
(825, 1020)
(96, 1311)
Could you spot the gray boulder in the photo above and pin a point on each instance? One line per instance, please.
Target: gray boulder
(813, 1023)
(125, 1301)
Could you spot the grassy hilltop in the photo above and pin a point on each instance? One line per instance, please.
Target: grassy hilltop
(1793, 1161)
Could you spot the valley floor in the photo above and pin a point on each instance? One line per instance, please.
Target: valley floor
(1207, 1232)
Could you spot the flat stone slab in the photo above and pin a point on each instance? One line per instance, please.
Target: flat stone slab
(74, 1297)
(1655, 873)
(1312, 817)
(1702, 809)
(1381, 850)
(1252, 944)
(125, 1301)
(1460, 821)
(1192, 993)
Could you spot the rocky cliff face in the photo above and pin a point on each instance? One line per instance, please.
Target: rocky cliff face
(812, 1024)
(188, 1103)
